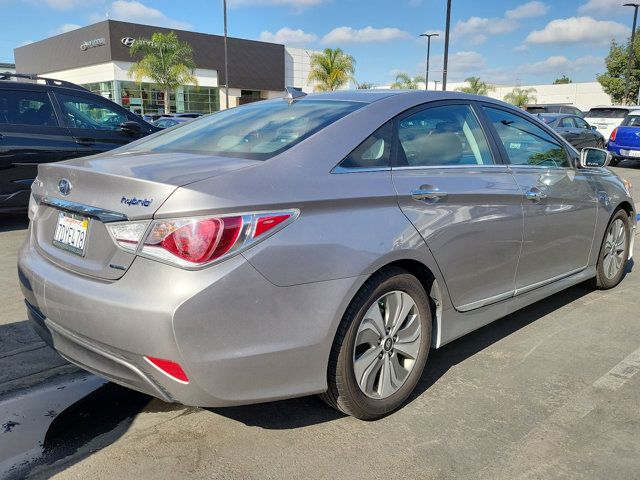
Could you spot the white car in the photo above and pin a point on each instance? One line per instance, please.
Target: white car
(607, 117)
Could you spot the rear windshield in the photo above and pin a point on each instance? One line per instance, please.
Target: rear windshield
(257, 131)
(607, 113)
(537, 109)
(631, 121)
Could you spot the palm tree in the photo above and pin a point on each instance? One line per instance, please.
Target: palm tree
(520, 96)
(166, 60)
(476, 86)
(331, 69)
(405, 82)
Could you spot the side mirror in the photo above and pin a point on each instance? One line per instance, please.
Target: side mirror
(130, 127)
(594, 158)
(593, 127)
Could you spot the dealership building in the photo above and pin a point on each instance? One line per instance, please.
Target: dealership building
(98, 58)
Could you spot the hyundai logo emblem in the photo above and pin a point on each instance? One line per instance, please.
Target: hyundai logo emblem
(64, 186)
(128, 41)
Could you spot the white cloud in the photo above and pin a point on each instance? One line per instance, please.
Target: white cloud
(26, 42)
(136, 12)
(462, 62)
(578, 30)
(299, 4)
(288, 36)
(527, 10)
(603, 7)
(521, 49)
(559, 64)
(478, 29)
(363, 35)
(64, 28)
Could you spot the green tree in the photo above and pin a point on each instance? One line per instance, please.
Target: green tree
(331, 69)
(476, 86)
(164, 59)
(520, 96)
(613, 81)
(562, 80)
(365, 86)
(405, 82)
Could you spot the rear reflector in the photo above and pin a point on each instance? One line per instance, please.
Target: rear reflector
(169, 368)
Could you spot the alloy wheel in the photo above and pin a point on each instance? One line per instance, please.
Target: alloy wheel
(387, 344)
(614, 248)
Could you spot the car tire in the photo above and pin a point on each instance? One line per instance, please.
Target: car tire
(614, 252)
(395, 366)
(614, 161)
(600, 144)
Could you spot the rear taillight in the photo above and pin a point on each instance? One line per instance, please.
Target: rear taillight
(127, 235)
(198, 241)
(612, 137)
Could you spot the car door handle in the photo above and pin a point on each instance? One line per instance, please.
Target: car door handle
(84, 140)
(428, 194)
(535, 194)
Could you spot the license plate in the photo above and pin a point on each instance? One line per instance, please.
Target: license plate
(634, 153)
(71, 233)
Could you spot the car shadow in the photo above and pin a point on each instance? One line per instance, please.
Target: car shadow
(303, 412)
(13, 223)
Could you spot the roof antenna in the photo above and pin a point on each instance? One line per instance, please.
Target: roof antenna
(292, 93)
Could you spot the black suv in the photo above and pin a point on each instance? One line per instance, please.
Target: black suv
(44, 120)
(553, 108)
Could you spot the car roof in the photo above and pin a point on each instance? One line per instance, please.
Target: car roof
(621, 107)
(557, 115)
(371, 96)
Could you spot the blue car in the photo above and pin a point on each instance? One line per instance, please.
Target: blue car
(624, 142)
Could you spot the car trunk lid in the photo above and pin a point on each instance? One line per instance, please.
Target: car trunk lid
(79, 198)
(628, 137)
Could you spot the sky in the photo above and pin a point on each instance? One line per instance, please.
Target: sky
(503, 42)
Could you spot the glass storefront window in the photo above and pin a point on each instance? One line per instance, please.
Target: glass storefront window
(146, 98)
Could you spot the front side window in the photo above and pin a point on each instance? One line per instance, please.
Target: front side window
(581, 123)
(255, 131)
(566, 122)
(374, 152)
(20, 107)
(525, 142)
(439, 136)
(82, 112)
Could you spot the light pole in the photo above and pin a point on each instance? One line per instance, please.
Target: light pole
(226, 70)
(428, 35)
(446, 46)
(630, 58)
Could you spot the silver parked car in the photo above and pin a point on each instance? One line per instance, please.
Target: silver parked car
(316, 245)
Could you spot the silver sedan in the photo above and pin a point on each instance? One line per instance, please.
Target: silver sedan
(314, 245)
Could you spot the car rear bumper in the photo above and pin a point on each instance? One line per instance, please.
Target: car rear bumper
(239, 338)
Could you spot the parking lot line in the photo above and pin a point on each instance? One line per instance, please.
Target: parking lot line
(621, 373)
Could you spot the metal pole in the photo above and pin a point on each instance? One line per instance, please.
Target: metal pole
(446, 47)
(631, 50)
(226, 70)
(426, 77)
(436, 84)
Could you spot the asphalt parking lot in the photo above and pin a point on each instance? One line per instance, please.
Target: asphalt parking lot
(548, 392)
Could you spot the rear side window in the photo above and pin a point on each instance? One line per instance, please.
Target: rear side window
(256, 131)
(19, 107)
(581, 123)
(438, 136)
(374, 152)
(525, 142)
(82, 112)
(631, 121)
(607, 113)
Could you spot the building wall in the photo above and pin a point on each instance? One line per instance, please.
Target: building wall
(583, 95)
(297, 64)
